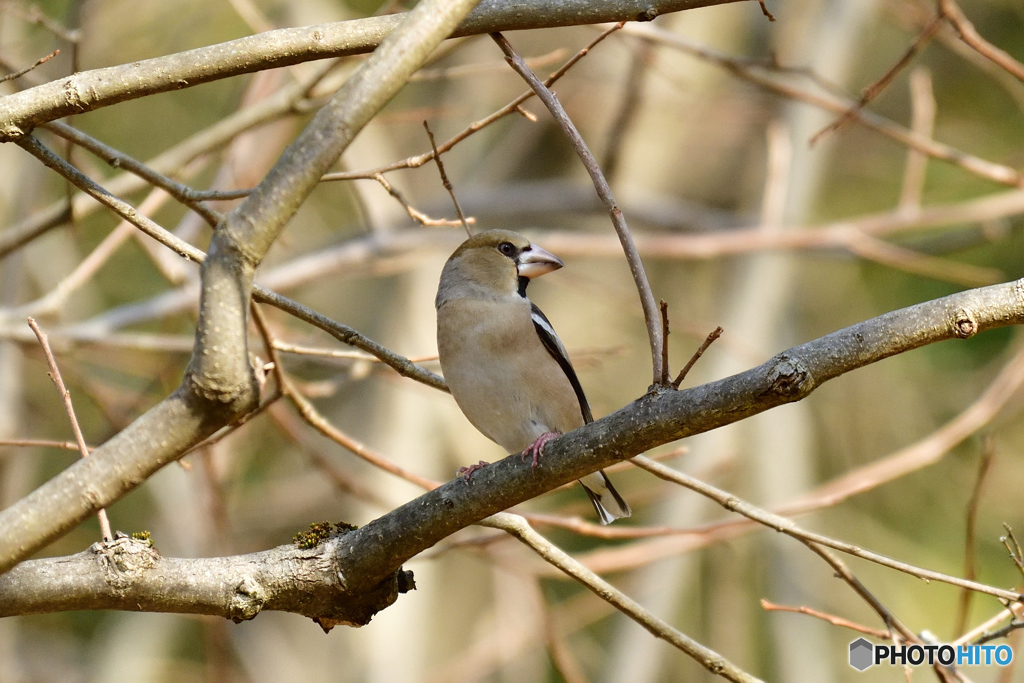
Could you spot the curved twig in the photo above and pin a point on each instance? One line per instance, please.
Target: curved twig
(604, 191)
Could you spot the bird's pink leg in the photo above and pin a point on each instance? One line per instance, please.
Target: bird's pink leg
(536, 449)
(467, 472)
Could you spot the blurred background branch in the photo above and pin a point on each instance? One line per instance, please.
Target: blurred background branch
(702, 122)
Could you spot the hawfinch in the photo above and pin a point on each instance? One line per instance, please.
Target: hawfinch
(504, 364)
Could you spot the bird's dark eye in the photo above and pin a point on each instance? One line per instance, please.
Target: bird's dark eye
(507, 248)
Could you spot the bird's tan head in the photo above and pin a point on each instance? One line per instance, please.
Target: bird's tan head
(493, 264)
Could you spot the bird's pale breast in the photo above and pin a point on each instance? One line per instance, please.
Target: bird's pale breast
(500, 374)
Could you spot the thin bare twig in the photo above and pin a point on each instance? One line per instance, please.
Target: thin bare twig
(65, 396)
(515, 106)
(897, 628)
(54, 300)
(620, 466)
(44, 443)
(830, 618)
(444, 179)
(313, 417)
(582, 527)
(260, 322)
(984, 627)
(561, 656)
(715, 334)
(922, 101)
(300, 350)
(790, 528)
(629, 106)
(709, 659)
(636, 266)
(964, 607)
(914, 15)
(414, 213)
(1001, 633)
(34, 15)
(478, 68)
(751, 71)
(663, 308)
(19, 74)
(340, 479)
(965, 29)
(1013, 547)
(30, 144)
(923, 453)
(910, 261)
(230, 429)
(184, 194)
(347, 335)
(872, 91)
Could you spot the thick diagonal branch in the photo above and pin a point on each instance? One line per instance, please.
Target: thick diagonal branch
(664, 416)
(367, 558)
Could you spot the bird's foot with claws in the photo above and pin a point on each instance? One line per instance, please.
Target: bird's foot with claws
(467, 472)
(536, 449)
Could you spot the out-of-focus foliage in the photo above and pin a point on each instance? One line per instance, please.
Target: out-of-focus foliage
(694, 147)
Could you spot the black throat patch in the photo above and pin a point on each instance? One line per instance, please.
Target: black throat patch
(523, 281)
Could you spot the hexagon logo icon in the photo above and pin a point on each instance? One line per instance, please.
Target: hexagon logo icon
(861, 654)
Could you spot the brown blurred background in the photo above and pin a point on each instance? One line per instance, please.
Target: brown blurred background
(691, 149)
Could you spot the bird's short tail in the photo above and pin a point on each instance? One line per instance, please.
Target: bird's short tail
(607, 501)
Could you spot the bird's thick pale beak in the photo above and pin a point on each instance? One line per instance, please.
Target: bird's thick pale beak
(534, 262)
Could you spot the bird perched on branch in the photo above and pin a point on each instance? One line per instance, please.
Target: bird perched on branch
(503, 362)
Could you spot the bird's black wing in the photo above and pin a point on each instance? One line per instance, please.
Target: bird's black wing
(554, 346)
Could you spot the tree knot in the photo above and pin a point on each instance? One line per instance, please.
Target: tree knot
(964, 323)
(73, 94)
(237, 397)
(789, 377)
(247, 600)
(124, 560)
(13, 133)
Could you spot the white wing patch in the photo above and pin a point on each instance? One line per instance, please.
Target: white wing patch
(540, 321)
